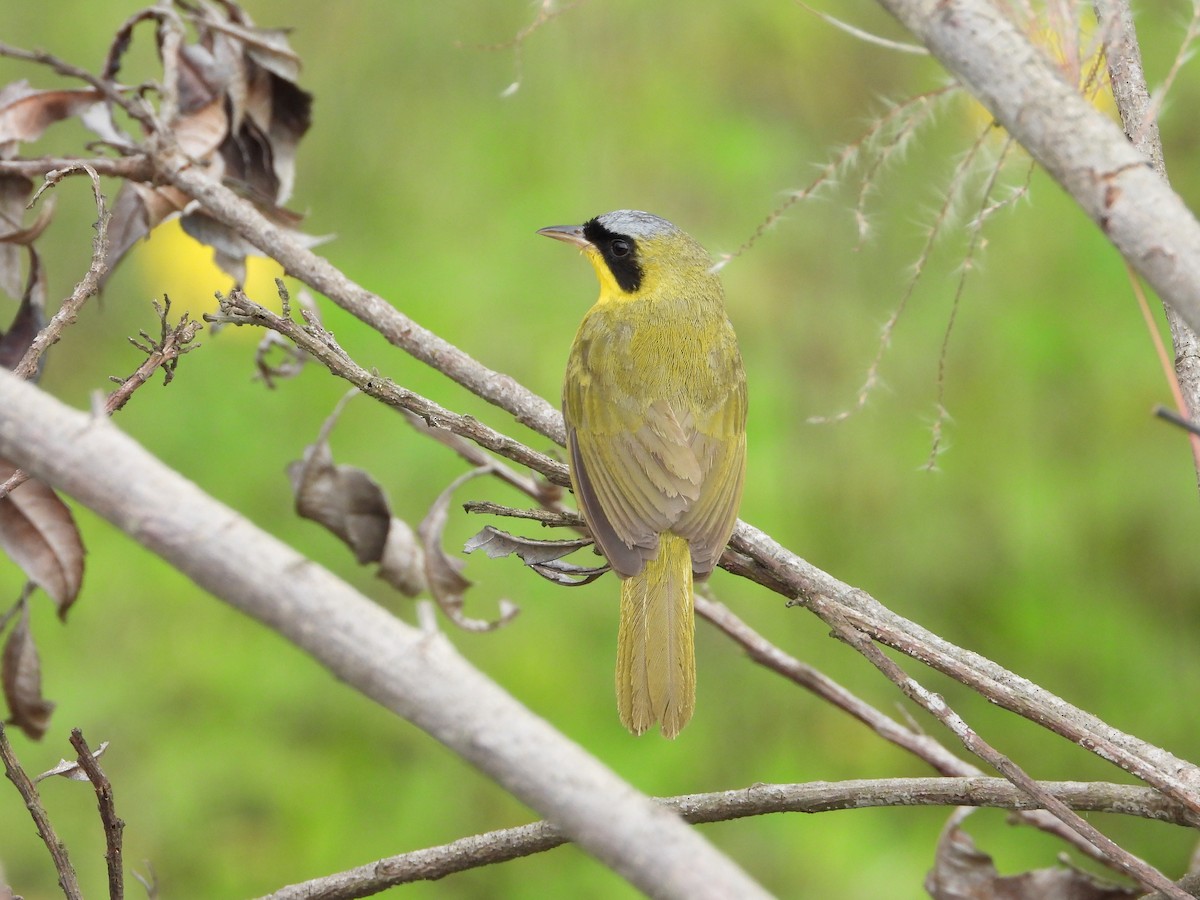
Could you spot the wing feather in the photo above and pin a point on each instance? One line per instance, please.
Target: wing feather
(642, 467)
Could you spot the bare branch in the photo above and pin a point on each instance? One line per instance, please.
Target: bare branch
(507, 844)
(1176, 777)
(415, 674)
(87, 286)
(779, 569)
(113, 826)
(132, 168)
(67, 879)
(163, 354)
(173, 342)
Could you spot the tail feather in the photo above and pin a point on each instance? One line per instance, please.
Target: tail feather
(656, 663)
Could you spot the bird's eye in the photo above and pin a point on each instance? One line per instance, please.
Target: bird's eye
(619, 248)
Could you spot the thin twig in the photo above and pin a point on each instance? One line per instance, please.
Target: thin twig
(174, 342)
(507, 844)
(921, 745)
(1176, 777)
(914, 107)
(955, 188)
(112, 823)
(238, 309)
(88, 286)
(162, 354)
(975, 229)
(136, 167)
(67, 879)
(553, 518)
(1175, 418)
(134, 106)
(763, 652)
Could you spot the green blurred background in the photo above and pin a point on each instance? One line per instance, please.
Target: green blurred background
(1058, 535)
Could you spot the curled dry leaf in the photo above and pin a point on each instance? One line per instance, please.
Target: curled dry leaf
(348, 502)
(544, 557)
(38, 531)
(344, 499)
(70, 768)
(29, 318)
(271, 347)
(26, 113)
(962, 871)
(444, 572)
(15, 191)
(21, 676)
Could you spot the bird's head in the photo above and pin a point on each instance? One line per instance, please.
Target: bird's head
(636, 254)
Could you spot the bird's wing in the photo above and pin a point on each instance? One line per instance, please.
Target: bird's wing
(633, 483)
(718, 442)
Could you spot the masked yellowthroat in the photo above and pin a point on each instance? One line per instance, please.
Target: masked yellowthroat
(654, 400)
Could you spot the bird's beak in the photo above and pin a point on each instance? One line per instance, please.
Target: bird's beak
(568, 234)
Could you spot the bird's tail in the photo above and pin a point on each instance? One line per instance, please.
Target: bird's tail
(656, 661)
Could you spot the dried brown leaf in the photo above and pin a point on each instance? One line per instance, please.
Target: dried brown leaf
(345, 499)
(70, 768)
(29, 318)
(964, 872)
(283, 113)
(240, 116)
(136, 211)
(30, 233)
(26, 113)
(496, 543)
(267, 47)
(15, 191)
(544, 557)
(38, 531)
(443, 572)
(21, 676)
(202, 131)
(253, 71)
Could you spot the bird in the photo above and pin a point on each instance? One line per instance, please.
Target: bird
(654, 403)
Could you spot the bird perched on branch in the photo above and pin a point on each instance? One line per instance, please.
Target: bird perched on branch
(654, 400)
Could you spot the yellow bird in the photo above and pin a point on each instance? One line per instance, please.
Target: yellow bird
(654, 400)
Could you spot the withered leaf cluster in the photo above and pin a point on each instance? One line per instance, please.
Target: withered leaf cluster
(230, 103)
(228, 100)
(38, 532)
(238, 112)
(353, 506)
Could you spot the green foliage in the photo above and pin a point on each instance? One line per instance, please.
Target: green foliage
(1057, 535)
